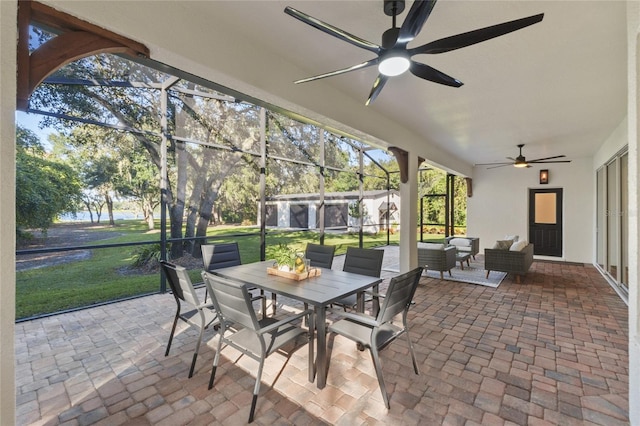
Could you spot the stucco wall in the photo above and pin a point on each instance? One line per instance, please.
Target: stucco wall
(500, 204)
(633, 46)
(8, 35)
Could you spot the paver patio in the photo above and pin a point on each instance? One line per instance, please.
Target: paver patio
(552, 350)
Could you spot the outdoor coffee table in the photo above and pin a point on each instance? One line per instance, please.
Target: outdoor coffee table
(462, 257)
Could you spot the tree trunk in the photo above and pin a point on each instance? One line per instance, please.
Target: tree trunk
(150, 222)
(87, 204)
(109, 202)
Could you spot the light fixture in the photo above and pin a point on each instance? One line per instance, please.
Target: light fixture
(544, 177)
(394, 64)
(520, 164)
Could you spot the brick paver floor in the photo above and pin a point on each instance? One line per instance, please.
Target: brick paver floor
(549, 351)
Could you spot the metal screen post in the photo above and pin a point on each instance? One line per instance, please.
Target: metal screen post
(263, 183)
(321, 186)
(361, 196)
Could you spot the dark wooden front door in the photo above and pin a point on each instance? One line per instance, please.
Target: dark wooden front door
(545, 221)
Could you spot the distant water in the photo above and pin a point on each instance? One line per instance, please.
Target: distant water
(84, 216)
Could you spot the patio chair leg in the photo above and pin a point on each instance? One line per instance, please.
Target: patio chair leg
(195, 354)
(215, 364)
(193, 364)
(273, 300)
(488, 274)
(517, 279)
(378, 368)
(173, 330)
(450, 273)
(256, 390)
(413, 355)
(441, 275)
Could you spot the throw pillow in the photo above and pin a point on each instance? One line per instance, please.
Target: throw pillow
(432, 246)
(460, 242)
(503, 244)
(513, 238)
(518, 245)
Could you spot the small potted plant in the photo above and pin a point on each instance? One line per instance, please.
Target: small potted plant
(287, 258)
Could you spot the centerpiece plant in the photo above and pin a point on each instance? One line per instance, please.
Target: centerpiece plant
(287, 258)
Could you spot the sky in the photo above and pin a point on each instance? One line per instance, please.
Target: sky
(31, 122)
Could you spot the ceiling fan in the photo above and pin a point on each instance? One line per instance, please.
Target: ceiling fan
(394, 57)
(521, 161)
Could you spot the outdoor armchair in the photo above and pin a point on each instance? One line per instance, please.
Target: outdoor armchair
(199, 314)
(437, 257)
(470, 245)
(255, 339)
(378, 332)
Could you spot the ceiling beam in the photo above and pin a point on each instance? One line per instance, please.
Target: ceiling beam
(75, 39)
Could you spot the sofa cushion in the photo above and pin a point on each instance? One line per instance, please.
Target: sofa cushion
(518, 245)
(431, 246)
(503, 244)
(460, 242)
(513, 238)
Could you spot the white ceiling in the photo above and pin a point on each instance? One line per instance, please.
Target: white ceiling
(558, 86)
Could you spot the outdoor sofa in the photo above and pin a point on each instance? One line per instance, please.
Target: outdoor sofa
(510, 261)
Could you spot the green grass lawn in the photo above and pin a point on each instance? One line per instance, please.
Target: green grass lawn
(107, 275)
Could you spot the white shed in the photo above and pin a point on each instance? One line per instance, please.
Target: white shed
(301, 211)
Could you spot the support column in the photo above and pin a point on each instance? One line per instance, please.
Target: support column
(408, 210)
(633, 108)
(8, 37)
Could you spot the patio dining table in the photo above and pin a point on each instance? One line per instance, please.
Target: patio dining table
(319, 292)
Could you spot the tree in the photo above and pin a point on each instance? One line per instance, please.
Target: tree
(196, 172)
(45, 189)
(111, 164)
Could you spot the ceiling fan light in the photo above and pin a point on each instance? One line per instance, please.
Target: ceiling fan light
(520, 164)
(394, 65)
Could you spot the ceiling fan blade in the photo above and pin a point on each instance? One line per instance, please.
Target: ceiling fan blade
(428, 73)
(417, 16)
(549, 162)
(547, 158)
(501, 165)
(341, 71)
(476, 36)
(511, 158)
(377, 88)
(333, 31)
(491, 164)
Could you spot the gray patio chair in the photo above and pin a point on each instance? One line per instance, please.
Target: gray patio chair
(224, 255)
(256, 339)
(320, 256)
(378, 332)
(200, 315)
(364, 262)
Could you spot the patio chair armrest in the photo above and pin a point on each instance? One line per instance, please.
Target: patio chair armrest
(375, 293)
(357, 317)
(205, 305)
(271, 327)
